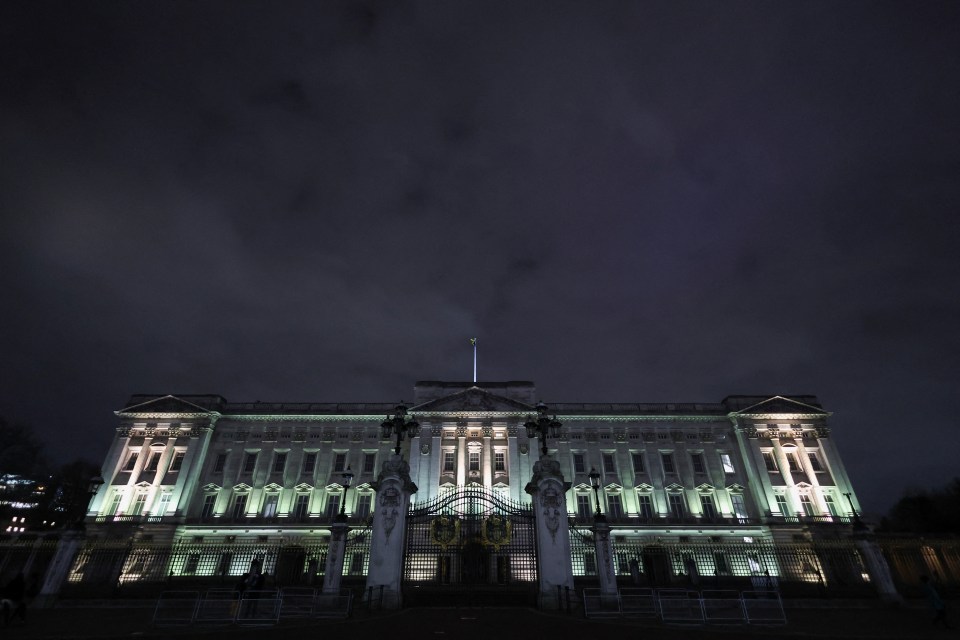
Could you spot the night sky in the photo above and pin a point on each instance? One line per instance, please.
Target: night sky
(634, 202)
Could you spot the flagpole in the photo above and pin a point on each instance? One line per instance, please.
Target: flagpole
(473, 341)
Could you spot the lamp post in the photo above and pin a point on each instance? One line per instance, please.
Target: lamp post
(543, 426)
(857, 522)
(595, 483)
(398, 426)
(346, 479)
(93, 486)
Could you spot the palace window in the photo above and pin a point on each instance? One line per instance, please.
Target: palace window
(340, 462)
(727, 463)
(270, 505)
(449, 462)
(815, 461)
(637, 462)
(333, 504)
(369, 462)
(677, 507)
(239, 505)
(645, 502)
(831, 505)
(782, 504)
(363, 505)
(115, 503)
(138, 503)
(209, 503)
(614, 505)
(584, 509)
(177, 461)
(793, 461)
(250, 463)
(807, 504)
(301, 506)
(309, 462)
(131, 461)
(609, 464)
(707, 507)
(770, 461)
(579, 463)
(279, 462)
(220, 463)
(499, 461)
(667, 459)
(739, 506)
(474, 461)
(697, 460)
(162, 504)
(154, 461)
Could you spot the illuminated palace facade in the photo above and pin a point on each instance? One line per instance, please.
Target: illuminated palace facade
(200, 467)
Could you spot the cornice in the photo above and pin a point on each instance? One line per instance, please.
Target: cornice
(210, 415)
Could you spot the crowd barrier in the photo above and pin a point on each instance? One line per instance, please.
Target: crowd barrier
(264, 607)
(685, 606)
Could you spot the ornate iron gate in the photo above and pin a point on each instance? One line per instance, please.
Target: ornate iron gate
(470, 546)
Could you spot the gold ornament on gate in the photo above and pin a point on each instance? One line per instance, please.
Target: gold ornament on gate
(495, 531)
(444, 531)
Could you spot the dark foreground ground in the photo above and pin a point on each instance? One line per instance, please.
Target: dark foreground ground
(807, 619)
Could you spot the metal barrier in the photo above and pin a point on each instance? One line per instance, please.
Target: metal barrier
(176, 608)
(333, 605)
(596, 603)
(680, 606)
(723, 607)
(638, 602)
(297, 602)
(763, 607)
(218, 606)
(259, 607)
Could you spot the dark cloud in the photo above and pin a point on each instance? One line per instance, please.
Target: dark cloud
(647, 202)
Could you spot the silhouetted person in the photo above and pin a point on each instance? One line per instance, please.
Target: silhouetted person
(939, 607)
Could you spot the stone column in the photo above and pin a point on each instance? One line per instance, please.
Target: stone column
(59, 567)
(546, 489)
(394, 488)
(604, 550)
(333, 571)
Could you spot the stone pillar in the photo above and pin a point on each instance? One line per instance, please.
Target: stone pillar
(546, 488)
(604, 550)
(59, 567)
(333, 571)
(394, 488)
(879, 571)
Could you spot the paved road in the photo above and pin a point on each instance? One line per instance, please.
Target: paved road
(853, 621)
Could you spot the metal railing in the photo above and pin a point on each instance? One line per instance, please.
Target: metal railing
(686, 606)
(261, 607)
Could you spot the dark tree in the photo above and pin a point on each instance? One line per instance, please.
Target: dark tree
(935, 511)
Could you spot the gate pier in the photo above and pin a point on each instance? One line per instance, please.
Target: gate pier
(394, 488)
(547, 488)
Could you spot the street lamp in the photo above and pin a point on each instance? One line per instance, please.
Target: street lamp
(93, 486)
(398, 426)
(857, 522)
(595, 483)
(346, 479)
(542, 427)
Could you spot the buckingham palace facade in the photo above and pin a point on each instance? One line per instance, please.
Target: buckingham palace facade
(192, 469)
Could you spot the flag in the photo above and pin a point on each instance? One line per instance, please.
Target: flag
(473, 341)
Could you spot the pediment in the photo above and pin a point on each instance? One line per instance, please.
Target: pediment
(167, 404)
(364, 486)
(242, 487)
(778, 405)
(303, 487)
(273, 487)
(674, 487)
(735, 488)
(473, 400)
(705, 488)
(643, 486)
(143, 484)
(501, 485)
(613, 486)
(211, 487)
(448, 486)
(583, 486)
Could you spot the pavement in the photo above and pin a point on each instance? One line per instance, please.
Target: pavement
(805, 619)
